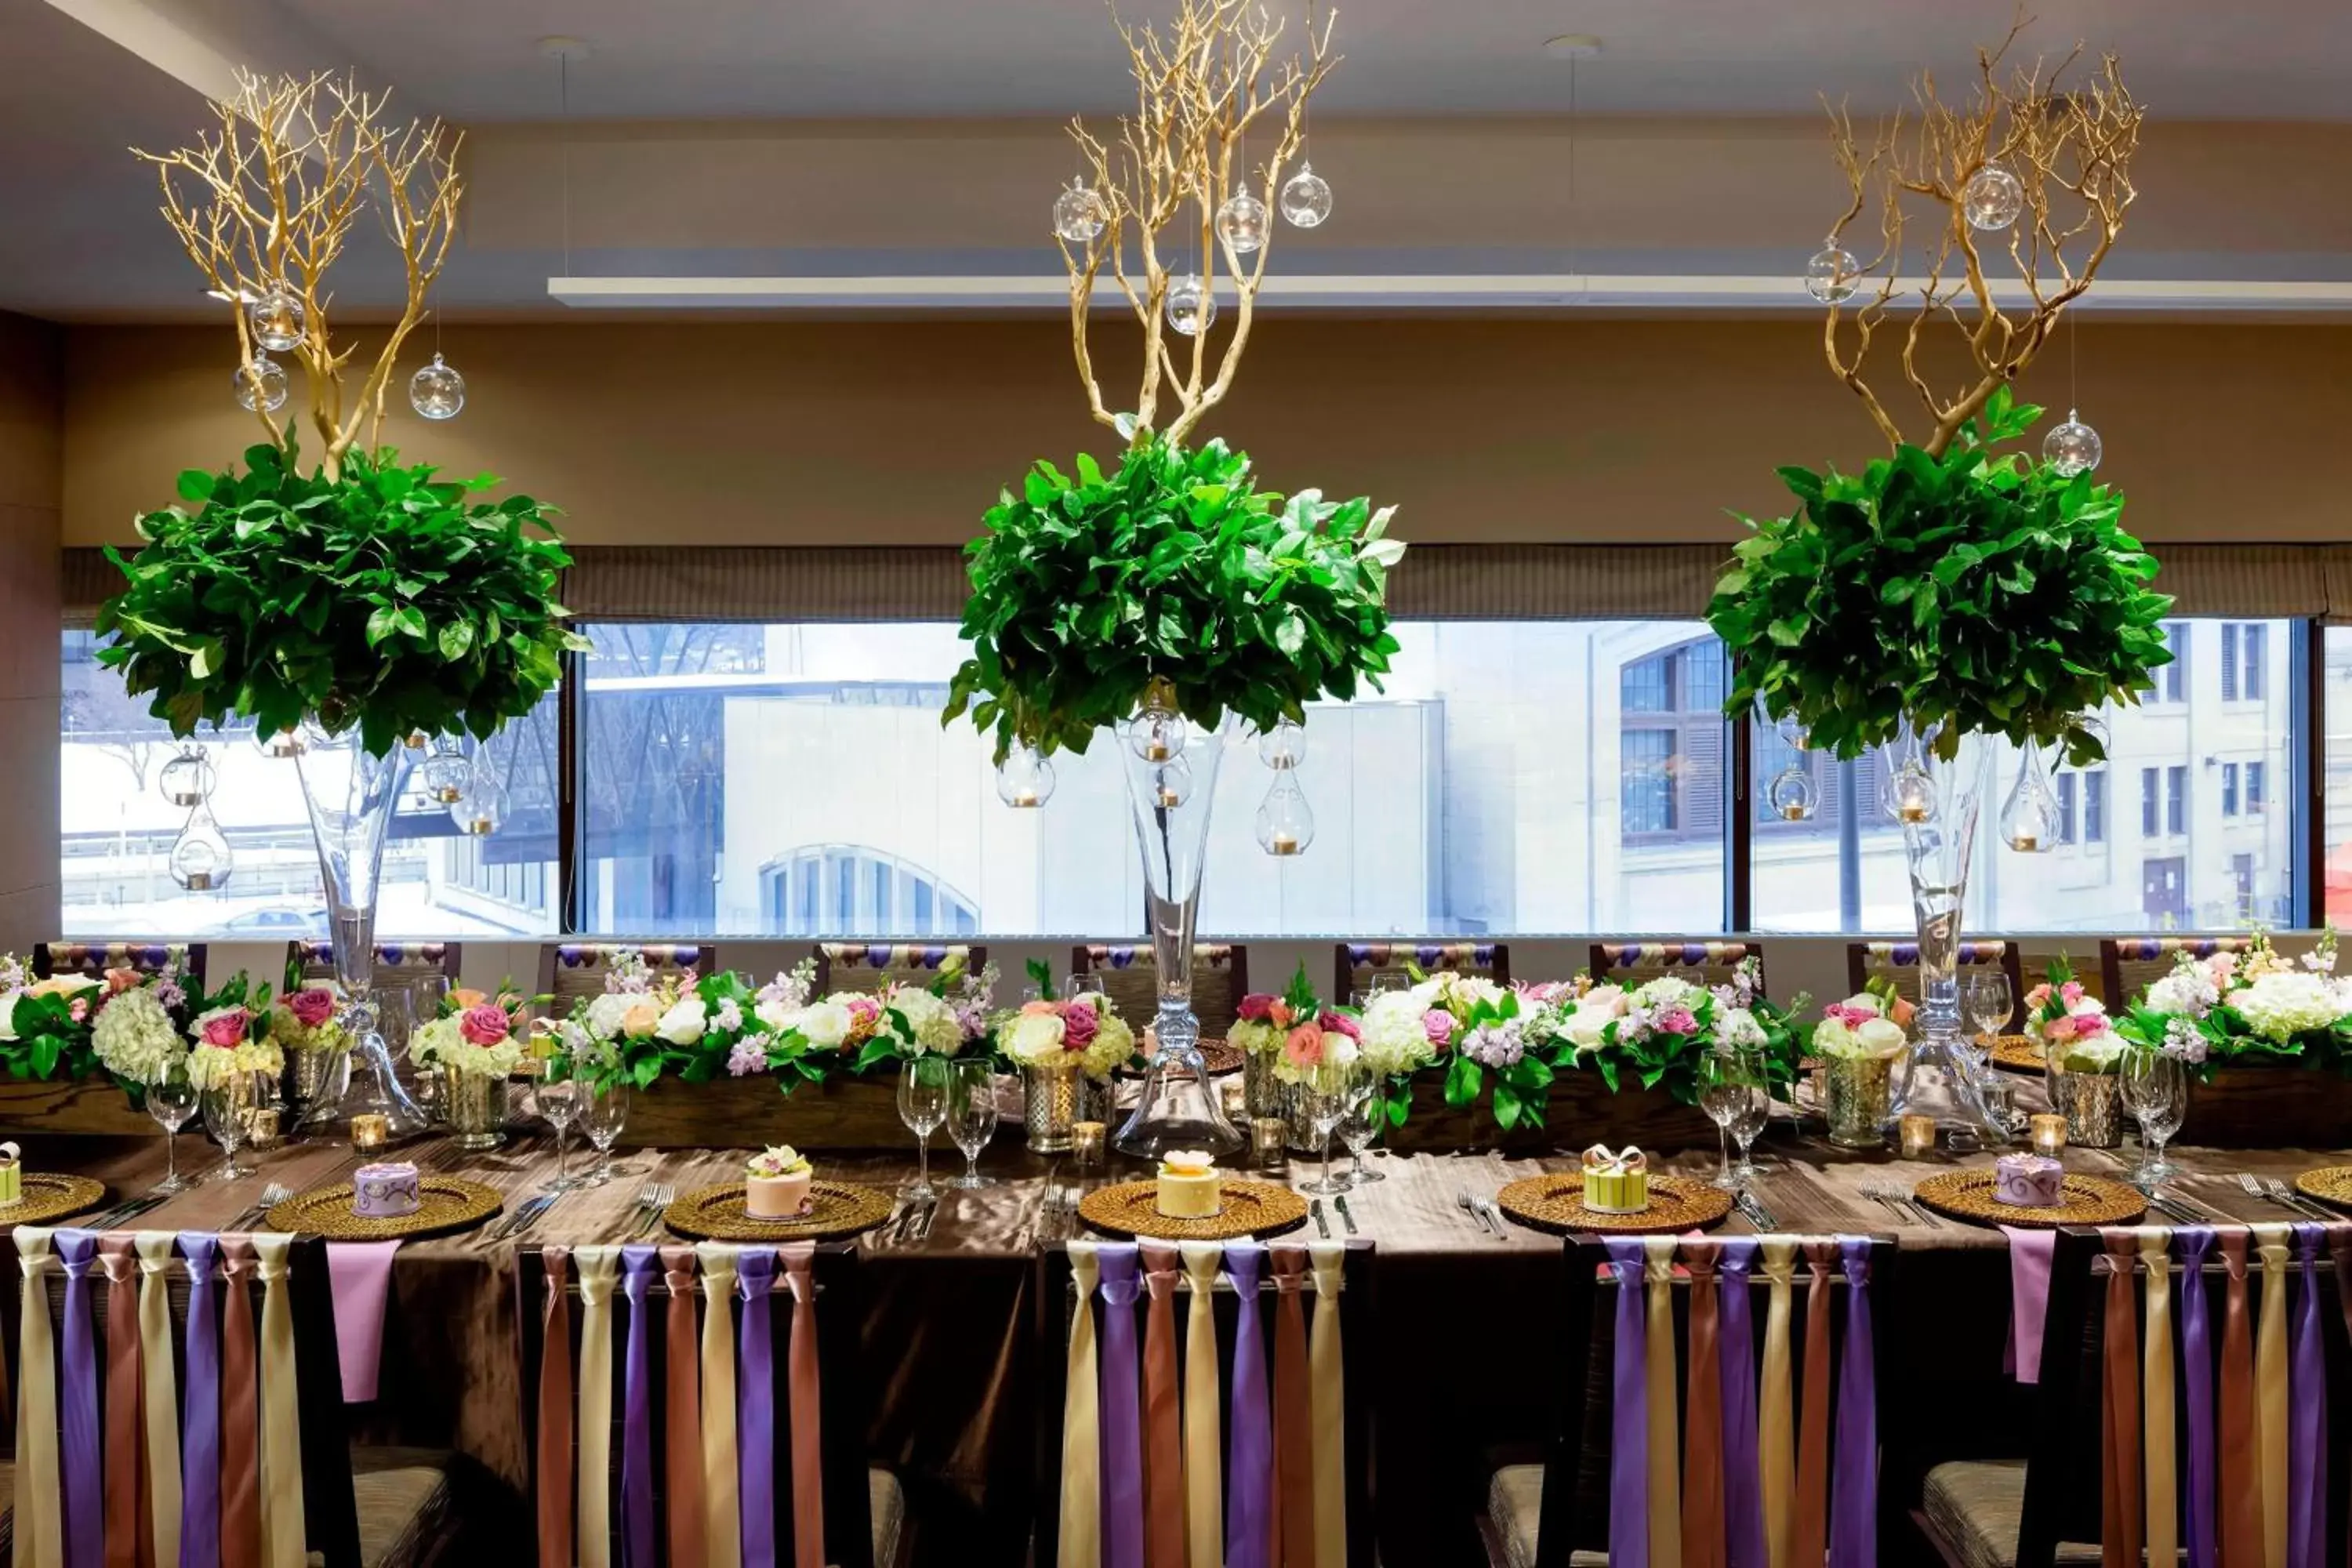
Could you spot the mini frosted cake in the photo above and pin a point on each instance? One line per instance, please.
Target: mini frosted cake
(776, 1184)
(12, 1176)
(2027, 1181)
(1189, 1186)
(1616, 1182)
(385, 1192)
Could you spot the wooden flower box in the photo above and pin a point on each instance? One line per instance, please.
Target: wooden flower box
(2270, 1108)
(842, 1114)
(91, 1106)
(1582, 1112)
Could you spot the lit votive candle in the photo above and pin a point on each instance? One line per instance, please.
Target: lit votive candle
(2049, 1134)
(261, 1131)
(1088, 1142)
(1025, 798)
(1268, 1138)
(1284, 844)
(1918, 1134)
(370, 1130)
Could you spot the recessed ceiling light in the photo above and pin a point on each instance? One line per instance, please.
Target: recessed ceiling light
(1573, 46)
(559, 48)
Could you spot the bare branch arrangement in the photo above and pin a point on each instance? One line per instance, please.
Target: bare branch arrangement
(1200, 88)
(2059, 152)
(264, 203)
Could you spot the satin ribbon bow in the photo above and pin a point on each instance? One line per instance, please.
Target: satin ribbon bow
(1599, 1161)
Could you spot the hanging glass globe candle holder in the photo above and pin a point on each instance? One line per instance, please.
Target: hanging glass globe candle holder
(261, 384)
(1240, 222)
(1792, 796)
(1283, 746)
(1909, 796)
(446, 772)
(1192, 305)
(188, 779)
(1831, 276)
(1993, 198)
(2073, 447)
(200, 860)
(1171, 784)
(2029, 822)
(480, 809)
(276, 317)
(436, 392)
(1286, 824)
(1159, 732)
(1079, 214)
(1024, 779)
(1306, 198)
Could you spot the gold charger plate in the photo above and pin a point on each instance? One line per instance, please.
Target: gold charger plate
(1251, 1208)
(1556, 1203)
(836, 1210)
(43, 1197)
(1219, 1057)
(445, 1204)
(2018, 1053)
(2330, 1184)
(2088, 1200)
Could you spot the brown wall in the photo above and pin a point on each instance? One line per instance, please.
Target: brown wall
(31, 472)
(1520, 429)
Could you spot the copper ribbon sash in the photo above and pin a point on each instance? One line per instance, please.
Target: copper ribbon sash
(125, 1534)
(806, 1393)
(1703, 1543)
(1163, 1429)
(1294, 1415)
(1808, 1528)
(554, 1447)
(682, 1414)
(240, 1486)
(2119, 1459)
(2240, 1510)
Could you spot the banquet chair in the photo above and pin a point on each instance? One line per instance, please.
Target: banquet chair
(870, 966)
(95, 958)
(571, 970)
(1129, 1359)
(1130, 976)
(399, 966)
(1899, 963)
(1775, 1446)
(134, 1411)
(1355, 963)
(2034, 958)
(2138, 1444)
(2130, 964)
(1700, 961)
(775, 1366)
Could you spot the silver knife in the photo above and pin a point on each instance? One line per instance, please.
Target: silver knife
(523, 1215)
(1495, 1216)
(535, 1215)
(1340, 1202)
(1322, 1225)
(1757, 1215)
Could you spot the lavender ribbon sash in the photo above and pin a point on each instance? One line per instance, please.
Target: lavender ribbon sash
(200, 1432)
(1629, 1439)
(85, 1510)
(1249, 1492)
(1743, 1471)
(2192, 1243)
(639, 1266)
(755, 1409)
(1122, 1417)
(1853, 1489)
(2307, 1530)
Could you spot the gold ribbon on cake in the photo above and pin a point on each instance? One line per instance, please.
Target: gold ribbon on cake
(1616, 1182)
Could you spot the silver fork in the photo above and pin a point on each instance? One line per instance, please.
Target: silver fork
(652, 1199)
(2280, 1193)
(1461, 1200)
(273, 1194)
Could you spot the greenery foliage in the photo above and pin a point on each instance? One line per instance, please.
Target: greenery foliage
(1175, 566)
(381, 598)
(1980, 592)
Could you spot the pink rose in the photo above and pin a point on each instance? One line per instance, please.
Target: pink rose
(865, 1011)
(1256, 1008)
(1282, 1015)
(1339, 1024)
(1438, 1025)
(2070, 992)
(2065, 1025)
(1079, 1023)
(484, 1025)
(311, 1008)
(81, 1008)
(2089, 1026)
(228, 1029)
(1676, 1021)
(2035, 997)
(1304, 1046)
(1852, 1017)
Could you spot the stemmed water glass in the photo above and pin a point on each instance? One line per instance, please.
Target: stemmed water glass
(557, 1099)
(1358, 1126)
(2155, 1088)
(170, 1101)
(602, 1115)
(922, 1106)
(1986, 995)
(229, 1111)
(1324, 1096)
(1734, 1093)
(971, 1116)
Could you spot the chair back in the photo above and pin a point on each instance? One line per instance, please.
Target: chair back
(1899, 962)
(1129, 975)
(1250, 1420)
(1355, 963)
(2130, 964)
(2036, 955)
(147, 1371)
(421, 969)
(2187, 1376)
(1701, 961)
(873, 966)
(95, 958)
(1772, 1446)
(647, 1370)
(571, 970)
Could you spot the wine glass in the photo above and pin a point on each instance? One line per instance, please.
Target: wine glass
(922, 1106)
(2154, 1089)
(971, 1116)
(601, 1116)
(170, 1101)
(1734, 1094)
(228, 1108)
(1986, 995)
(557, 1101)
(1324, 1096)
(1358, 1127)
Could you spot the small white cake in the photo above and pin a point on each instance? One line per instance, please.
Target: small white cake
(1189, 1188)
(387, 1191)
(776, 1184)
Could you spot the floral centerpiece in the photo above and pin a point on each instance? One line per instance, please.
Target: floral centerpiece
(129, 1025)
(2250, 1009)
(2071, 1025)
(1857, 1043)
(305, 1019)
(1284, 1038)
(474, 1032)
(1066, 1048)
(230, 1034)
(1654, 1035)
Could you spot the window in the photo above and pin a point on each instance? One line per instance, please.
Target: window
(2172, 679)
(2066, 808)
(2229, 789)
(2148, 803)
(2176, 800)
(2243, 644)
(2255, 789)
(1646, 794)
(2094, 806)
(2229, 661)
(2242, 875)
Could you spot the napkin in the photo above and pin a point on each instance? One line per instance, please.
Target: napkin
(362, 1275)
(2029, 1252)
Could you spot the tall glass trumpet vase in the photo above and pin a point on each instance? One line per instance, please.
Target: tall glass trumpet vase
(351, 795)
(1946, 1073)
(1171, 778)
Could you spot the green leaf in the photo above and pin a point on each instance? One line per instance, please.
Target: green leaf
(457, 636)
(195, 484)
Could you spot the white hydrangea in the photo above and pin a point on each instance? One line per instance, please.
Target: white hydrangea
(1666, 991)
(2286, 1003)
(1113, 1043)
(933, 1024)
(1394, 1038)
(606, 1011)
(1738, 1027)
(2185, 993)
(135, 1039)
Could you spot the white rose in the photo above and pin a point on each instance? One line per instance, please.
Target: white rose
(606, 1012)
(1035, 1037)
(1876, 1036)
(686, 1023)
(824, 1024)
(8, 1013)
(776, 1015)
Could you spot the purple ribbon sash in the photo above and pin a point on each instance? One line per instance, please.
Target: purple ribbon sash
(200, 1434)
(2193, 1243)
(638, 1267)
(2307, 1530)
(1249, 1492)
(755, 1409)
(1853, 1489)
(1743, 1465)
(85, 1512)
(1121, 1409)
(1629, 1440)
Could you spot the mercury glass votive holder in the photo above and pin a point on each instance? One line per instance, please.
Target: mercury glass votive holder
(2048, 1132)
(1919, 1136)
(1269, 1138)
(1088, 1140)
(369, 1131)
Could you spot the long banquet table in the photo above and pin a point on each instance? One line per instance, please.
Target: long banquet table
(1466, 1366)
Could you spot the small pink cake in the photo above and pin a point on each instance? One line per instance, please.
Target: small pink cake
(2027, 1181)
(385, 1192)
(776, 1184)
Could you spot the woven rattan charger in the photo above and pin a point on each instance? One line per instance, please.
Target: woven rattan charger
(1555, 1202)
(2088, 1200)
(44, 1198)
(1249, 1208)
(836, 1210)
(444, 1204)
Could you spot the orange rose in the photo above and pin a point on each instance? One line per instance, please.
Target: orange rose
(641, 1019)
(464, 999)
(1283, 1014)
